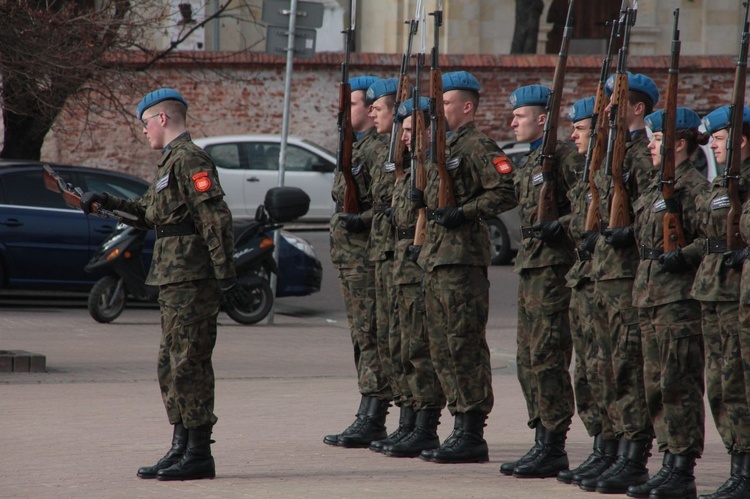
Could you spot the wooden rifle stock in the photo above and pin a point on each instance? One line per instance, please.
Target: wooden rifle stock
(419, 174)
(346, 131)
(674, 235)
(72, 196)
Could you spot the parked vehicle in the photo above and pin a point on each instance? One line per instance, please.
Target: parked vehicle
(248, 166)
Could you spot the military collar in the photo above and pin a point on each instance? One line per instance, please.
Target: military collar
(454, 135)
(367, 133)
(183, 138)
(535, 144)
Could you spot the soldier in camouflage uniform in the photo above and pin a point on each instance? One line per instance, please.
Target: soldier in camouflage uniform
(586, 383)
(455, 257)
(426, 398)
(546, 254)
(669, 318)
(717, 287)
(349, 234)
(193, 266)
(613, 267)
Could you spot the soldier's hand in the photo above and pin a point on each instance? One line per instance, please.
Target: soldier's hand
(412, 252)
(619, 237)
(450, 217)
(233, 294)
(588, 240)
(735, 258)
(91, 197)
(417, 198)
(353, 222)
(549, 231)
(674, 262)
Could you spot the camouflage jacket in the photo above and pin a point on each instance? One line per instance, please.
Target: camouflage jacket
(653, 285)
(404, 219)
(745, 231)
(713, 281)
(186, 189)
(382, 236)
(534, 253)
(579, 198)
(474, 162)
(638, 172)
(348, 248)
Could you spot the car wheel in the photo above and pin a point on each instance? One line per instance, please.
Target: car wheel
(261, 300)
(500, 252)
(107, 299)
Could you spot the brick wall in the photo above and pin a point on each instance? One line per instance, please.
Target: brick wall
(244, 94)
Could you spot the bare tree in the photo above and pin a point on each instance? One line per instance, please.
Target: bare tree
(66, 54)
(526, 30)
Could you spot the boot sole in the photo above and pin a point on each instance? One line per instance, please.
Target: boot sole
(541, 475)
(481, 459)
(202, 476)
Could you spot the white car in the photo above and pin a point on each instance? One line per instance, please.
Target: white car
(248, 166)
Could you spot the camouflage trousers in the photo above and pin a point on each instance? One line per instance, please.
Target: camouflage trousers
(725, 376)
(388, 334)
(185, 373)
(618, 335)
(673, 360)
(544, 347)
(586, 384)
(423, 384)
(357, 286)
(457, 306)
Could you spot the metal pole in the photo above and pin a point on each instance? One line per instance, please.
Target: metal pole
(216, 29)
(284, 134)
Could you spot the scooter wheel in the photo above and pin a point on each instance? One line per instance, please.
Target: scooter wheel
(261, 299)
(107, 299)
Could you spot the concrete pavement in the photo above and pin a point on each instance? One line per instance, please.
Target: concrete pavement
(83, 428)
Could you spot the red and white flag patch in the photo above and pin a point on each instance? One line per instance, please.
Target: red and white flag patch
(201, 181)
(502, 165)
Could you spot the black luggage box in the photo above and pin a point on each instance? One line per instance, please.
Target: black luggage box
(285, 204)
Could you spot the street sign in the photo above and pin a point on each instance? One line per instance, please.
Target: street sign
(277, 41)
(276, 13)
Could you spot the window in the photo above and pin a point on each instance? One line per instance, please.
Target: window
(225, 155)
(120, 187)
(27, 189)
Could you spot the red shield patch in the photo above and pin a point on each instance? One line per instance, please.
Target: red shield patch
(502, 165)
(201, 182)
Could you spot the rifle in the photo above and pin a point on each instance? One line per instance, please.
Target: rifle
(396, 151)
(547, 207)
(598, 138)
(418, 156)
(674, 235)
(346, 132)
(619, 210)
(734, 144)
(72, 196)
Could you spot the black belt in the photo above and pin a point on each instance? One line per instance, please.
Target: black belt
(362, 206)
(405, 233)
(715, 246)
(380, 207)
(582, 255)
(527, 232)
(181, 229)
(650, 253)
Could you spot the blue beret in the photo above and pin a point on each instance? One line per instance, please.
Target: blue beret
(531, 95)
(581, 110)
(686, 119)
(460, 80)
(157, 96)
(406, 108)
(637, 83)
(719, 119)
(381, 88)
(362, 82)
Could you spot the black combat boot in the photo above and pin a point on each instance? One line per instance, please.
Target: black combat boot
(549, 461)
(197, 461)
(507, 468)
(371, 426)
(681, 481)
(406, 422)
(363, 403)
(589, 483)
(609, 455)
(644, 490)
(566, 476)
(735, 479)
(179, 444)
(469, 445)
(423, 437)
(632, 472)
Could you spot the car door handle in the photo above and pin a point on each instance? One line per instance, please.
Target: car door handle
(104, 229)
(253, 179)
(11, 222)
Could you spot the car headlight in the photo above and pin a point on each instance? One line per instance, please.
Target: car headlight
(299, 243)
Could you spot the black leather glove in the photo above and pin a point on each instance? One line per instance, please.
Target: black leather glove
(417, 198)
(549, 231)
(450, 217)
(233, 294)
(734, 259)
(412, 252)
(619, 237)
(91, 197)
(674, 262)
(588, 240)
(389, 215)
(353, 222)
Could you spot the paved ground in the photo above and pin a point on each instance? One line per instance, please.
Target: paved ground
(84, 427)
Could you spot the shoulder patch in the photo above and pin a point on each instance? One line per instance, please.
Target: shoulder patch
(201, 181)
(502, 165)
